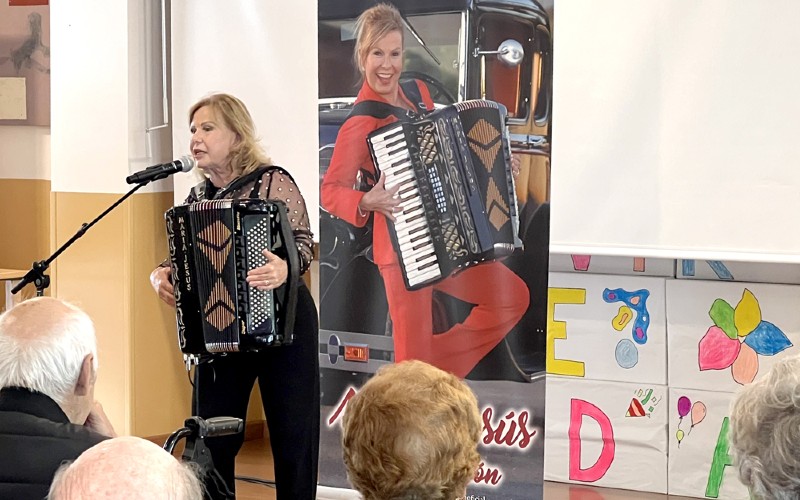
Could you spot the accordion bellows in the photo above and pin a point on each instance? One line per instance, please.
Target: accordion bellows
(213, 244)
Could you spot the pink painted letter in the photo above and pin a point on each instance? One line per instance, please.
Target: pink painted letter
(580, 408)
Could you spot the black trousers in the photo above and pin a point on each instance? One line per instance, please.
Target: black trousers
(288, 377)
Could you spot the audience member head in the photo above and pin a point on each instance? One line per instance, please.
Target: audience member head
(126, 467)
(411, 432)
(49, 346)
(765, 432)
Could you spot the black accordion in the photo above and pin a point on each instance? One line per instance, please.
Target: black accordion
(212, 246)
(457, 192)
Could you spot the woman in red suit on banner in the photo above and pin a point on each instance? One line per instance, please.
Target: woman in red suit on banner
(499, 296)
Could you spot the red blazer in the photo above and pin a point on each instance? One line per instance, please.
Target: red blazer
(351, 154)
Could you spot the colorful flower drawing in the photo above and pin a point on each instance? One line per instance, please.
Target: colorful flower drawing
(738, 337)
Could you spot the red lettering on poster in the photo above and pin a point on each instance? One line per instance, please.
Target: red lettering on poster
(487, 475)
(349, 394)
(517, 433)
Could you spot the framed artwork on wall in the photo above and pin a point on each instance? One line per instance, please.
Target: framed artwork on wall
(25, 54)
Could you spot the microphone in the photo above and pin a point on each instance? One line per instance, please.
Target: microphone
(156, 172)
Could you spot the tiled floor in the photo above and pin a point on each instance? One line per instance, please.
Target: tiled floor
(255, 461)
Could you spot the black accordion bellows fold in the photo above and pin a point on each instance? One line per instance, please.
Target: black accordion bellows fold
(213, 244)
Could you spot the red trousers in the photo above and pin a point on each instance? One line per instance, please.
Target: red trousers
(500, 298)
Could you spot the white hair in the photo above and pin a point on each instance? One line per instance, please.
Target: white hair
(765, 432)
(43, 342)
(126, 467)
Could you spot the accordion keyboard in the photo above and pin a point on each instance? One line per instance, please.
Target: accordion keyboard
(451, 170)
(414, 235)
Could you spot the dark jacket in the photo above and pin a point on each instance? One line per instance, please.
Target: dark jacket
(35, 437)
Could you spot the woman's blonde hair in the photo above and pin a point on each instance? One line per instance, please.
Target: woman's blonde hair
(246, 154)
(372, 25)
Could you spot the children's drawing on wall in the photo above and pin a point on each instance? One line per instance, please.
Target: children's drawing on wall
(642, 404)
(607, 327)
(603, 264)
(739, 335)
(607, 264)
(700, 463)
(756, 272)
(25, 53)
(598, 434)
(634, 308)
(726, 334)
(696, 412)
(720, 270)
(582, 262)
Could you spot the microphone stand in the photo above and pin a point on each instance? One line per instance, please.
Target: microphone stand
(36, 274)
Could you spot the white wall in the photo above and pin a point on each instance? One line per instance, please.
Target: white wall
(265, 53)
(674, 131)
(89, 96)
(24, 152)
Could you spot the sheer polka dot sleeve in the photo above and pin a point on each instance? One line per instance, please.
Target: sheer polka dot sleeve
(279, 186)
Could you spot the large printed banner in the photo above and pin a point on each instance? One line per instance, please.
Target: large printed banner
(487, 323)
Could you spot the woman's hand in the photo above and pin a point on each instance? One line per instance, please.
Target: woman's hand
(381, 200)
(515, 166)
(161, 279)
(271, 275)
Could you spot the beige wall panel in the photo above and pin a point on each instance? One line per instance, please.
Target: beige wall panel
(24, 225)
(93, 274)
(161, 390)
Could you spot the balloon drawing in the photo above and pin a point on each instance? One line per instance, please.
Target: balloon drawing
(698, 414)
(684, 406)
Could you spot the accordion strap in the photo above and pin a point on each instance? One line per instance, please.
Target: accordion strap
(291, 290)
(382, 110)
(293, 280)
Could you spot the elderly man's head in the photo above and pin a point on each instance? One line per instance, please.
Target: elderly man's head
(765, 432)
(411, 432)
(126, 467)
(49, 346)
